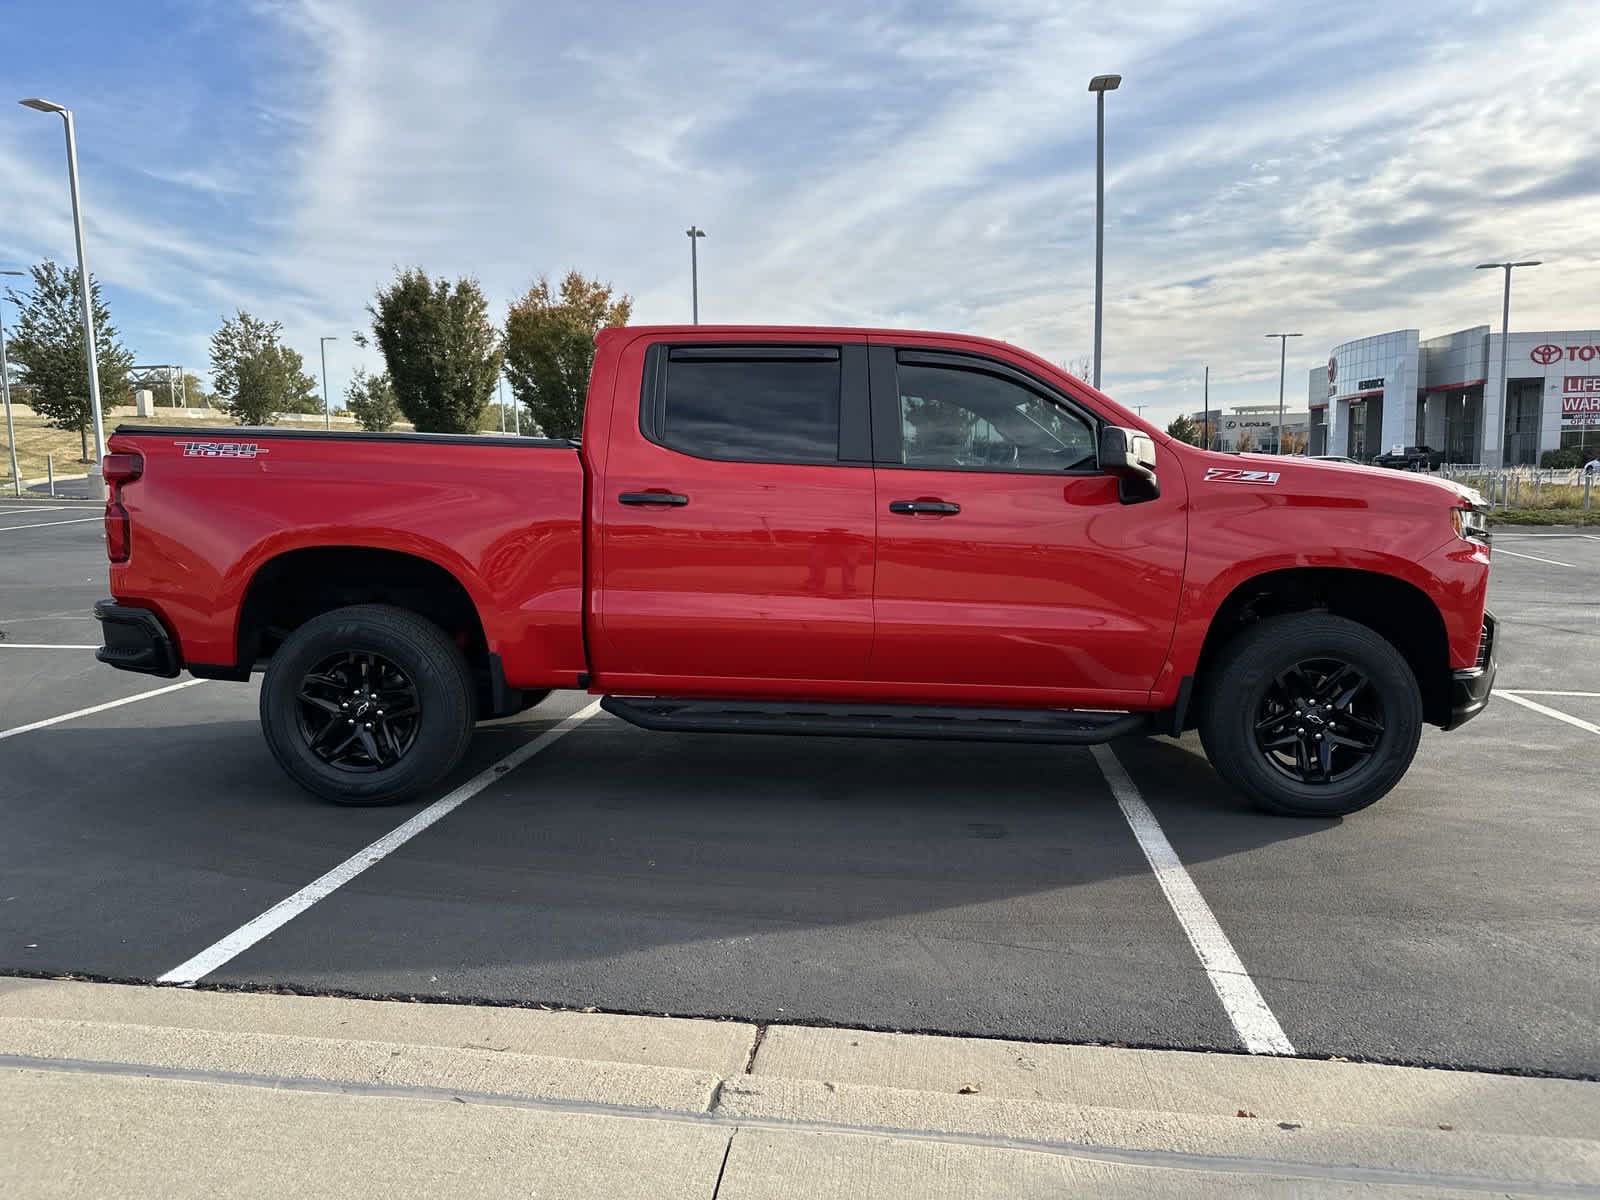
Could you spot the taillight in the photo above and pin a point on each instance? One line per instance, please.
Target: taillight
(118, 531)
(119, 469)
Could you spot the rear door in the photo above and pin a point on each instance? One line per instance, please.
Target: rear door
(1008, 568)
(738, 517)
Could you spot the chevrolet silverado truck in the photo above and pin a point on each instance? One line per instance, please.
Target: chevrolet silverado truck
(807, 531)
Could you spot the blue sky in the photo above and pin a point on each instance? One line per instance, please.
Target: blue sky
(1335, 168)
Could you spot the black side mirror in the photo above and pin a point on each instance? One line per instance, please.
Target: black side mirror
(1131, 456)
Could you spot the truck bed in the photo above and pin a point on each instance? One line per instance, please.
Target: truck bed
(502, 515)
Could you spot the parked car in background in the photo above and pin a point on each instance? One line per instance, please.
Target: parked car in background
(807, 531)
(1411, 458)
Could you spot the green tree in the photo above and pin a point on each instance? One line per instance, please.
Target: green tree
(442, 351)
(47, 345)
(194, 392)
(1184, 429)
(256, 375)
(370, 399)
(550, 347)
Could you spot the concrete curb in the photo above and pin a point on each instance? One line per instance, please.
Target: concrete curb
(875, 1113)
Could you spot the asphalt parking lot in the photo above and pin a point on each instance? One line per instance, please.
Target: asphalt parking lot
(964, 889)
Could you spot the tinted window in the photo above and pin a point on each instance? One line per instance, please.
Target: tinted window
(963, 420)
(762, 410)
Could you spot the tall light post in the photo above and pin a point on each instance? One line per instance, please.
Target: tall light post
(327, 409)
(1505, 337)
(5, 389)
(694, 233)
(1283, 359)
(1205, 412)
(1100, 85)
(84, 295)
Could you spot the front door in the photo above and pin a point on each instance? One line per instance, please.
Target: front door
(737, 519)
(1008, 569)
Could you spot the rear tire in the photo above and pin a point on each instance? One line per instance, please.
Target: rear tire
(368, 705)
(1311, 715)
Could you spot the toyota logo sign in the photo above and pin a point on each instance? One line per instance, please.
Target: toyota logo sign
(1333, 368)
(1546, 354)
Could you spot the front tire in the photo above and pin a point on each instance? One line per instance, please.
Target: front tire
(368, 705)
(1311, 715)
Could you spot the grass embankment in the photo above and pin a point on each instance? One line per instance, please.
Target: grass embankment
(1547, 516)
(1537, 504)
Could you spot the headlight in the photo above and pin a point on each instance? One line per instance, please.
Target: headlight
(1471, 523)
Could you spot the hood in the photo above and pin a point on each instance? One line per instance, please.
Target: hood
(1446, 487)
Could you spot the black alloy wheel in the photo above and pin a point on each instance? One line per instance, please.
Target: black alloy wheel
(370, 704)
(1310, 714)
(358, 711)
(1320, 721)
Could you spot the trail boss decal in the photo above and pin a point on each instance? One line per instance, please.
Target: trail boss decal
(1235, 475)
(220, 449)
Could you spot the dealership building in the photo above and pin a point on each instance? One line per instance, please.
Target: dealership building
(1394, 389)
(1252, 427)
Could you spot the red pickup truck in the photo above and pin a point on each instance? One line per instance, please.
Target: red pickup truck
(807, 531)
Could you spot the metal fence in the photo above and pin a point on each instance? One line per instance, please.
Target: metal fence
(1526, 487)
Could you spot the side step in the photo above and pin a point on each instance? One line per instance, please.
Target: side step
(1061, 726)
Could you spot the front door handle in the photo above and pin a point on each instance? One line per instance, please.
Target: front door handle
(675, 499)
(943, 508)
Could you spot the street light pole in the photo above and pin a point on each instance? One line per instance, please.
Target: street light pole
(5, 389)
(694, 233)
(327, 409)
(1283, 359)
(1100, 85)
(1505, 337)
(1205, 412)
(84, 294)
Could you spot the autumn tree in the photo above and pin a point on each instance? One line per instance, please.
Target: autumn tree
(370, 399)
(550, 347)
(442, 351)
(48, 346)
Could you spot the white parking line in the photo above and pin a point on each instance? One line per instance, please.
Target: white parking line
(36, 508)
(1532, 557)
(42, 646)
(1532, 692)
(1550, 712)
(87, 712)
(1252, 1020)
(1501, 532)
(286, 910)
(84, 521)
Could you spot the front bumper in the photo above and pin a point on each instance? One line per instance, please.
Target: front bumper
(1470, 687)
(135, 640)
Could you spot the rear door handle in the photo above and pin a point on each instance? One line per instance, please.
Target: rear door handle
(674, 499)
(937, 507)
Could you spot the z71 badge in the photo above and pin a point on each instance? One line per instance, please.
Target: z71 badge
(1235, 475)
(220, 449)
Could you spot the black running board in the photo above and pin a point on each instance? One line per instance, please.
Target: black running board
(1060, 726)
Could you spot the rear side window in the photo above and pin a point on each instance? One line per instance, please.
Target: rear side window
(757, 406)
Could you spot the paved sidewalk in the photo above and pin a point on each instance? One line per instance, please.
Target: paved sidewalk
(130, 1091)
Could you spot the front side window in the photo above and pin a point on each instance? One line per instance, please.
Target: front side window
(754, 410)
(957, 419)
